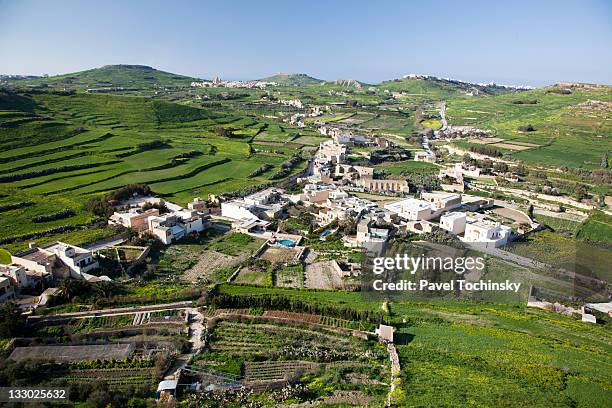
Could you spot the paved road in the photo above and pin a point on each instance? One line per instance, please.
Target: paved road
(442, 108)
(532, 263)
(96, 246)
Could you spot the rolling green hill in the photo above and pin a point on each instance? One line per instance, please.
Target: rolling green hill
(347, 83)
(433, 86)
(58, 149)
(293, 79)
(125, 76)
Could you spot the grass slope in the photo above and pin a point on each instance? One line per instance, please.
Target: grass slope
(293, 79)
(67, 147)
(126, 76)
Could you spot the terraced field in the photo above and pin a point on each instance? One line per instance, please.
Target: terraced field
(263, 353)
(568, 130)
(115, 378)
(59, 149)
(481, 353)
(243, 338)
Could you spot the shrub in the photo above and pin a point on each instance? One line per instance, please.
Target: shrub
(55, 216)
(528, 128)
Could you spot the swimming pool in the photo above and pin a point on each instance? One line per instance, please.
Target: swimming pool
(286, 243)
(325, 233)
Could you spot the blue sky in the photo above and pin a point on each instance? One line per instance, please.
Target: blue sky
(526, 42)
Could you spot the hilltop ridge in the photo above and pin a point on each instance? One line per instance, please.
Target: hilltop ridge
(292, 79)
(117, 76)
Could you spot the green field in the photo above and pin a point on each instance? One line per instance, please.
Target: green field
(458, 353)
(597, 228)
(567, 132)
(408, 167)
(57, 150)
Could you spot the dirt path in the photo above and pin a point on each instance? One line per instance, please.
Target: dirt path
(114, 312)
(196, 328)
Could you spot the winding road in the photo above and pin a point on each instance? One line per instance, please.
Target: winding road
(442, 109)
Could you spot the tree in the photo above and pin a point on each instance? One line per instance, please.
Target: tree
(12, 321)
(160, 206)
(487, 164)
(580, 192)
(99, 206)
(99, 399)
(105, 289)
(69, 288)
(348, 226)
(162, 361)
(604, 161)
(500, 167)
(528, 128)
(221, 131)
(530, 211)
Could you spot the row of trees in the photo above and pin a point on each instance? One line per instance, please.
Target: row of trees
(287, 166)
(44, 172)
(486, 150)
(66, 213)
(281, 302)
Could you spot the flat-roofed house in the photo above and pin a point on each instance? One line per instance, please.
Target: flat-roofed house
(134, 218)
(442, 201)
(411, 209)
(453, 222)
(60, 259)
(175, 226)
(488, 233)
(425, 156)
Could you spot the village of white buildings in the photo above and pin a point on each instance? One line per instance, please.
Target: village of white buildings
(331, 189)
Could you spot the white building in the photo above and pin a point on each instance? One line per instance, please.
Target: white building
(411, 209)
(454, 222)
(340, 205)
(266, 204)
(60, 259)
(134, 218)
(367, 234)
(458, 172)
(169, 227)
(79, 260)
(425, 156)
(489, 233)
(332, 152)
(17, 274)
(237, 210)
(175, 226)
(442, 201)
(7, 291)
(19, 278)
(314, 193)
